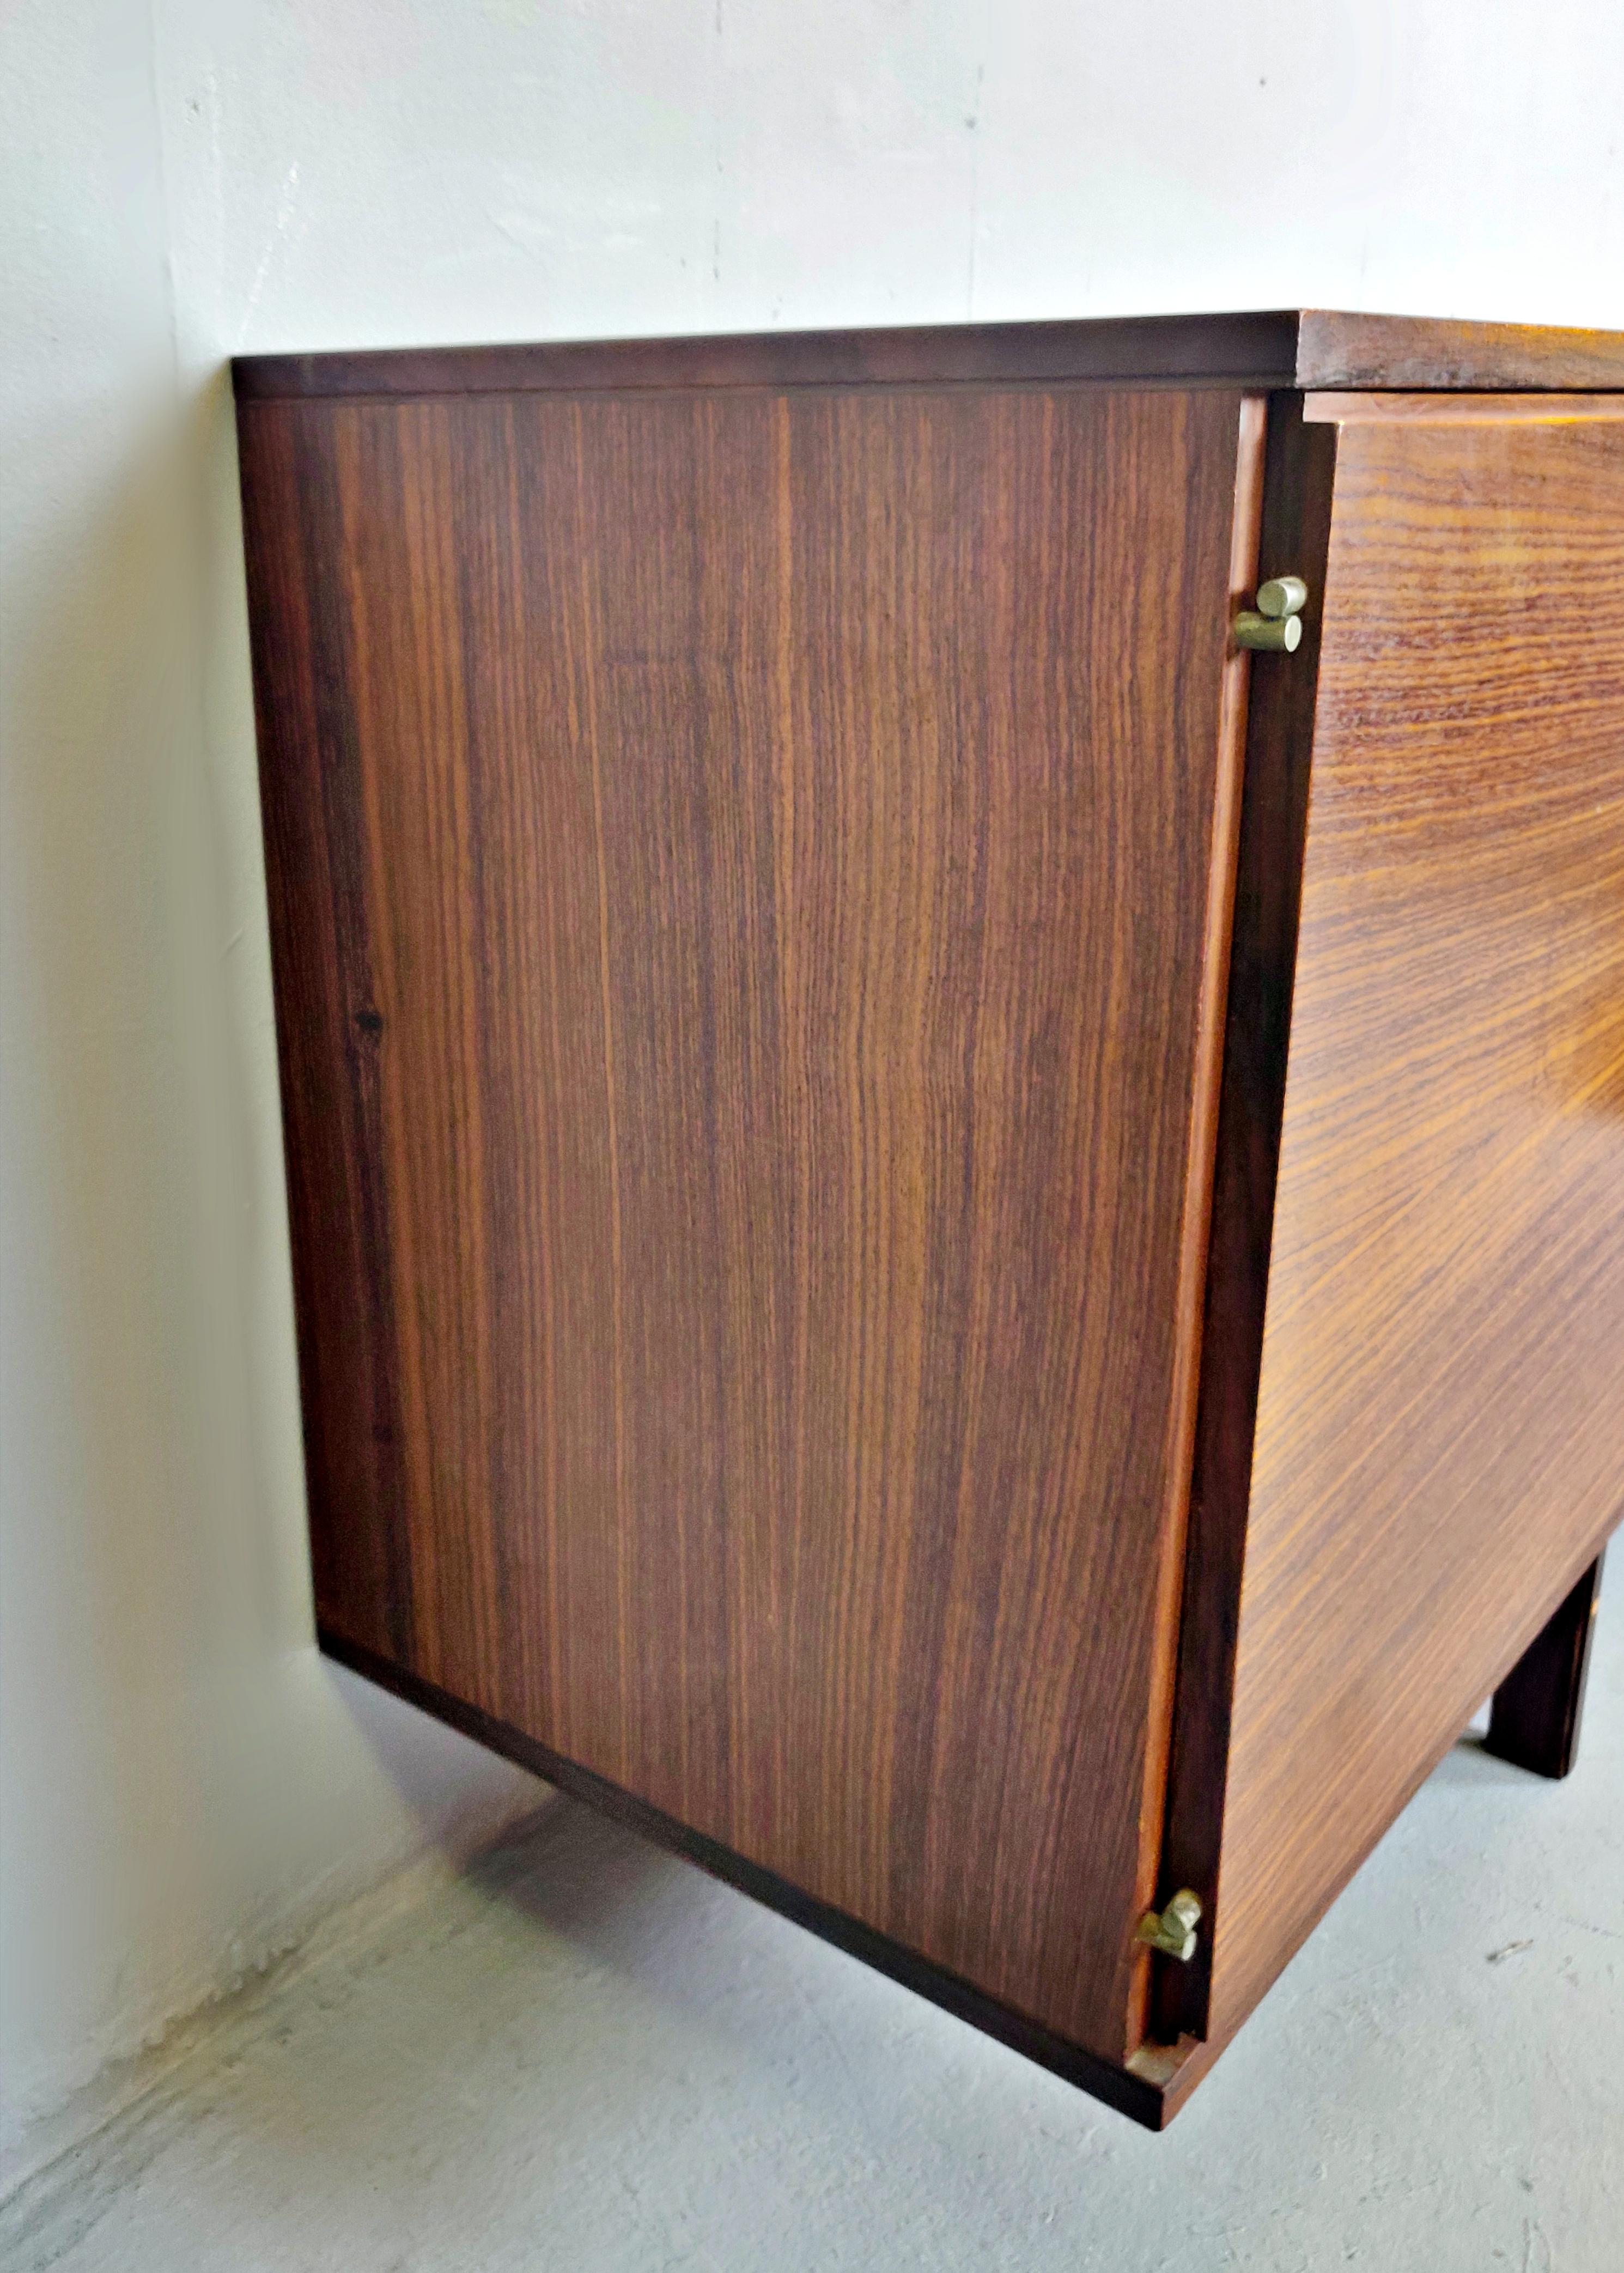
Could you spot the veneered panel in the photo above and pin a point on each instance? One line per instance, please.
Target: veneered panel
(1439, 1451)
(742, 894)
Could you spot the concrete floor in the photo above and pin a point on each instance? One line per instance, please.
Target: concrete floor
(581, 2054)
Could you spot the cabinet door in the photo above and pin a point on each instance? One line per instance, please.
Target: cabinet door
(1441, 1430)
(748, 881)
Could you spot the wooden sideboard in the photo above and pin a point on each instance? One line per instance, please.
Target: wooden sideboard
(956, 1175)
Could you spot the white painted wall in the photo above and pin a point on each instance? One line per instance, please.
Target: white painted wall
(183, 1785)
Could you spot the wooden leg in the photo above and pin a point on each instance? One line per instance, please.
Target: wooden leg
(1534, 1720)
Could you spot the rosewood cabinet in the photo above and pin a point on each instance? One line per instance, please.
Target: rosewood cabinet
(958, 1241)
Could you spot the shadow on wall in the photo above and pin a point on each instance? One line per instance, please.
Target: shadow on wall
(184, 1786)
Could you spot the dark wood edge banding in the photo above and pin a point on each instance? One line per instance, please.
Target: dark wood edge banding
(1300, 470)
(1306, 347)
(1148, 2102)
(1259, 351)
(1229, 777)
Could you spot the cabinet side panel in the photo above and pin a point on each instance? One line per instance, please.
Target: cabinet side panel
(327, 1024)
(785, 828)
(1440, 1432)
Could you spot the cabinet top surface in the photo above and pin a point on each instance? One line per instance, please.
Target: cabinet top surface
(1303, 348)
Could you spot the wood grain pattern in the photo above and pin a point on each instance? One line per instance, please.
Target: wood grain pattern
(1309, 347)
(1437, 353)
(1145, 2088)
(1294, 539)
(1536, 1710)
(1439, 1453)
(741, 888)
(1171, 1609)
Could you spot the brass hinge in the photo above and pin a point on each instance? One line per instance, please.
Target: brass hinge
(1173, 1931)
(1277, 620)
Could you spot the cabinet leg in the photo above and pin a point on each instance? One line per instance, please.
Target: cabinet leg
(1534, 1720)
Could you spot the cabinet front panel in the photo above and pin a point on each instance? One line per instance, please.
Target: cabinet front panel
(740, 889)
(1441, 1433)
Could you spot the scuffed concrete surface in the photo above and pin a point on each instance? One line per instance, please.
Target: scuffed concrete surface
(583, 2055)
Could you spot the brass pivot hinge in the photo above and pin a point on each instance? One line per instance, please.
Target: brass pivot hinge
(1276, 623)
(1173, 1931)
